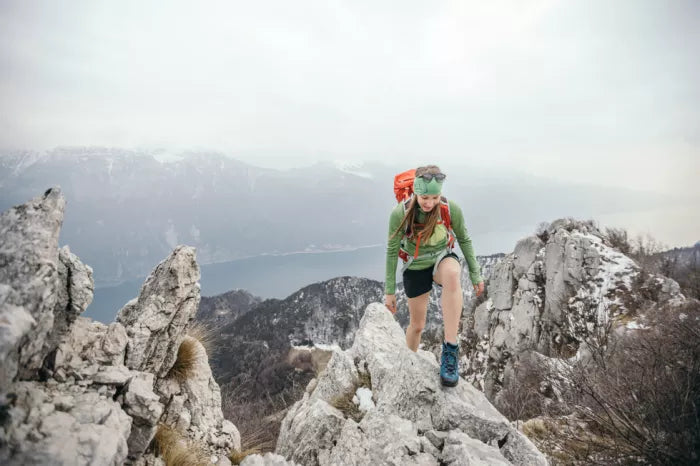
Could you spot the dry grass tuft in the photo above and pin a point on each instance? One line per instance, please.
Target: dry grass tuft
(237, 457)
(347, 407)
(344, 402)
(365, 380)
(257, 440)
(176, 450)
(566, 440)
(536, 428)
(203, 334)
(188, 355)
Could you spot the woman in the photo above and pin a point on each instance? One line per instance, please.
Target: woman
(434, 261)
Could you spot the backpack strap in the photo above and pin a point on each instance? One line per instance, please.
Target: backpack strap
(446, 218)
(403, 253)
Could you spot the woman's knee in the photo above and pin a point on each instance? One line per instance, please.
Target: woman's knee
(416, 327)
(452, 280)
(450, 277)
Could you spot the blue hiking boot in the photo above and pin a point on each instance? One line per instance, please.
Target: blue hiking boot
(449, 373)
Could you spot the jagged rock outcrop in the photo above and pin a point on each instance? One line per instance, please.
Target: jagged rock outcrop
(553, 292)
(410, 419)
(195, 406)
(156, 319)
(63, 424)
(74, 391)
(39, 286)
(268, 459)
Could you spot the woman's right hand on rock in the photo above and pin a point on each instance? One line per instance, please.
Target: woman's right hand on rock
(390, 302)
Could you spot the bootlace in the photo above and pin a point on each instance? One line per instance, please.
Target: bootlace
(449, 360)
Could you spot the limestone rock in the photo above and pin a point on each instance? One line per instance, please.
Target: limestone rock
(35, 288)
(93, 344)
(104, 388)
(48, 428)
(503, 284)
(462, 450)
(166, 304)
(195, 405)
(411, 407)
(550, 295)
(268, 459)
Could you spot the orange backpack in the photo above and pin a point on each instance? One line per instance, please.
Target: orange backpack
(403, 190)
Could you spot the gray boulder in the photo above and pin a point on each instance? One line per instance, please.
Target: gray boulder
(553, 293)
(42, 290)
(268, 459)
(194, 406)
(413, 413)
(104, 389)
(156, 320)
(62, 424)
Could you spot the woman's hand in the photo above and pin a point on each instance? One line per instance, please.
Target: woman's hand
(479, 288)
(390, 302)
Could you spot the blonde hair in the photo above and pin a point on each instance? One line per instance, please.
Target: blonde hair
(409, 217)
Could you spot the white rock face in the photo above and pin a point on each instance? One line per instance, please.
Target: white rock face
(155, 321)
(37, 297)
(413, 412)
(548, 297)
(268, 459)
(195, 406)
(78, 392)
(62, 424)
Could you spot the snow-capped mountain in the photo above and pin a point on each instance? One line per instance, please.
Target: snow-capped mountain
(128, 208)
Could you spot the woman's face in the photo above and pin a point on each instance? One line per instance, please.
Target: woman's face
(428, 201)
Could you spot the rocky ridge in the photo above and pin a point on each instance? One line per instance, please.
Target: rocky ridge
(557, 290)
(74, 391)
(380, 403)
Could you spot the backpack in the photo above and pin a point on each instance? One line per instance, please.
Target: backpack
(403, 190)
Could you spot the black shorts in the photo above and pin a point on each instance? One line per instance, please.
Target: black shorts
(417, 282)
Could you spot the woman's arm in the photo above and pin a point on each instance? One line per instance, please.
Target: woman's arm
(465, 243)
(392, 250)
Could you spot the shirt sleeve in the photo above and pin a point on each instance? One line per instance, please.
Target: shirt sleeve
(465, 243)
(392, 250)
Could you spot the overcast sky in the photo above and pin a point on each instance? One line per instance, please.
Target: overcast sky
(596, 91)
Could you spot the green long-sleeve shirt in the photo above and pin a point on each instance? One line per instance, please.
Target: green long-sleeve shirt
(437, 242)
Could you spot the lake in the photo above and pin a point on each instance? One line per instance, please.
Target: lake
(267, 276)
(278, 276)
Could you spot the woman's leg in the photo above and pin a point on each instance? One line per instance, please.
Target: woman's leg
(448, 275)
(417, 309)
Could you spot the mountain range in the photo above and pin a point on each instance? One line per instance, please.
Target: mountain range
(128, 208)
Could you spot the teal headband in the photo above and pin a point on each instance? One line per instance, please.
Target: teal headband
(422, 187)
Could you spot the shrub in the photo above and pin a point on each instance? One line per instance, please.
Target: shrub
(644, 394)
(530, 391)
(618, 238)
(542, 231)
(634, 398)
(258, 411)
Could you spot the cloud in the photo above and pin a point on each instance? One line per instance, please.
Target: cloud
(582, 83)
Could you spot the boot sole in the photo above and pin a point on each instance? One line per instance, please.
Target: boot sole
(447, 383)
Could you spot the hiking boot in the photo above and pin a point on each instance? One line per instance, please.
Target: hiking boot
(449, 373)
